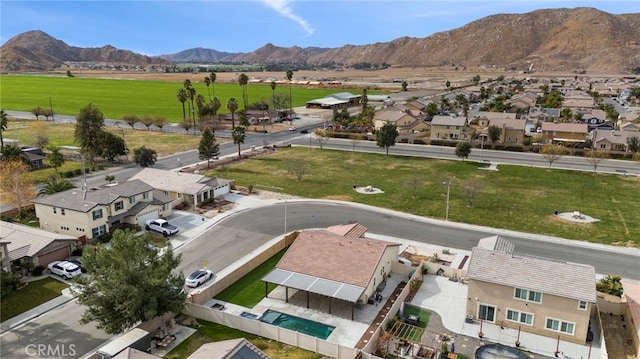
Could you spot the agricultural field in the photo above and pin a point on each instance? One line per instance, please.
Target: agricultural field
(119, 97)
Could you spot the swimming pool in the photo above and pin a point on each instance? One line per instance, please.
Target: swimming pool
(298, 324)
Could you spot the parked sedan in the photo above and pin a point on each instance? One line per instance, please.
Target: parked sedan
(196, 278)
(66, 270)
(77, 260)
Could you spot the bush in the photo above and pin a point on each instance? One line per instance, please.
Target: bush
(77, 172)
(514, 148)
(77, 251)
(68, 174)
(37, 271)
(104, 238)
(419, 141)
(9, 283)
(100, 167)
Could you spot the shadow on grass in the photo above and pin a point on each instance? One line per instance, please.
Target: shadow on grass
(30, 296)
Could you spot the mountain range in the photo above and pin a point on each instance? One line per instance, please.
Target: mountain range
(554, 39)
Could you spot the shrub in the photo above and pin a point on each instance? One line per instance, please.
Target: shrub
(514, 148)
(68, 174)
(419, 141)
(77, 172)
(77, 251)
(37, 271)
(8, 284)
(104, 238)
(100, 167)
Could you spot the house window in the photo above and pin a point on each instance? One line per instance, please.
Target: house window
(98, 231)
(62, 211)
(132, 200)
(560, 326)
(582, 304)
(528, 295)
(145, 195)
(119, 206)
(519, 317)
(97, 214)
(55, 210)
(487, 312)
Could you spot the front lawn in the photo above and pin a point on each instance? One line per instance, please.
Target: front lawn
(249, 290)
(211, 332)
(30, 296)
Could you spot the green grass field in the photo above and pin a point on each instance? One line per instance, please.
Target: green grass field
(249, 290)
(423, 314)
(516, 198)
(116, 98)
(30, 296)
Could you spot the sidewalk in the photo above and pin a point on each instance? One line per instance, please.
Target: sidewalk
(56, 302)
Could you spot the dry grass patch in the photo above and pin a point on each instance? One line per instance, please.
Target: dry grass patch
(339, 198)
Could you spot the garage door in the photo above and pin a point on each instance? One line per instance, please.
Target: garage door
(56, 255)
(150, 215)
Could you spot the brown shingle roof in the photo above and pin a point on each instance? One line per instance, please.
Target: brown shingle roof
(355, 230)
(323, 254)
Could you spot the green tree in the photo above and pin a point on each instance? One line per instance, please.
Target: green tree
(243, 80)
(4, 123)
(208, 147)
(14, 153)
(386, 136)
(207, 82)
(182, 96)
(432, 110)
(130, 282)
(89, 125)
(289, 77)
(9, 282)
(494, 133)
(144, 157)
(232, 106)
(633, 144)
(238, 136)
(463, 150)
(110, 145)
(55, 184)
(447, 84)
(404, 85)
(611, 284)
(273, 93)
(212, 77)
(55, 158)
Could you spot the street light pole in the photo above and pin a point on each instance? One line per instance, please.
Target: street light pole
(448, 192)
(481, 147)
(285, 217)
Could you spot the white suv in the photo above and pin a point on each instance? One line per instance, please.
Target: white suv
(66, 270)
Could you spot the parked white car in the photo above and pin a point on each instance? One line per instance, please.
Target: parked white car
(196, 278)
(161, 226)
(66, 270)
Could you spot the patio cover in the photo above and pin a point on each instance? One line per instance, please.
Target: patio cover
(317, 285)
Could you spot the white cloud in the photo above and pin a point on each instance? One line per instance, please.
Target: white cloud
(283, 7)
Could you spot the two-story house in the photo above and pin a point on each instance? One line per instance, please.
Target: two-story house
(451, 128)
(87, 214)
(564, 132)
(611, 140)
(511, 130)
(406, 123)
(537, 295)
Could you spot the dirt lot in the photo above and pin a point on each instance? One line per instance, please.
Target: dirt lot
(616, 333)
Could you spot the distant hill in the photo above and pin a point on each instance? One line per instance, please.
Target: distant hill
(37, 51)
(552, 39)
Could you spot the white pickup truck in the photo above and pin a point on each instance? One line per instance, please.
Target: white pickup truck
(161, 226)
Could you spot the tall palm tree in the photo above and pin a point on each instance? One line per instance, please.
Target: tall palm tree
(55, 184)
(207, 81)
(192, 96)
(4, 122)
(273, 93)
(182, 97)
(238, 137)
(243, 80)
(289, 77)
(215, 105)
(200, 100)
(232, 106)
(212, 77)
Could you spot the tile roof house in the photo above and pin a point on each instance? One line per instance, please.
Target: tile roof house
(340, 267)
(191, 188)
(29, 244)
(539, 295)
(523, 100)
(629, 127)
(564, 132)
(511, 130)
(87, 214)
(451, 128)
(578, 100)
(541, 114)
(405, 122)
(228, 349)
(612, 140)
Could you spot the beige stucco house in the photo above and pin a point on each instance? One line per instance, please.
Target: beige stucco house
(612, 140)
(450, 128)
(554, 132)
(24, 244)
(406, 123)
(344, 266)
(511, 130)
(87, 214)
(191, 188)
(538, 295)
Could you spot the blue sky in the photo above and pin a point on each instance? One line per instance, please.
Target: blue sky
(166, 27)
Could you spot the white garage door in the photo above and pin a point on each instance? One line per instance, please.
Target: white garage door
(150, 215)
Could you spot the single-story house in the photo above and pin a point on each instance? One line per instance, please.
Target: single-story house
(611, 140)
(538, 295)
(228, 349)
(26, 244)
(87, 214)
(335, 101)
(340, 267)
(191, 188)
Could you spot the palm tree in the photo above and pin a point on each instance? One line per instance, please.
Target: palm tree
(289, 77)
(232, 106)
(207, 81)
(192, 96)
(273, 93)
(243, 80)
(212, 76)
(238, 137)
(215, 105)
(200, 100)
(55, 184)
(4, 122)
(182, 97)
